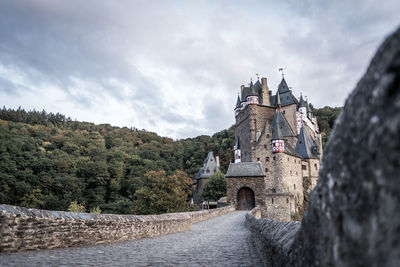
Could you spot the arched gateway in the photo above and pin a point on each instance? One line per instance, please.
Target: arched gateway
(245, 199)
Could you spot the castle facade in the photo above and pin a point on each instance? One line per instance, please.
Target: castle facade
(278, 149)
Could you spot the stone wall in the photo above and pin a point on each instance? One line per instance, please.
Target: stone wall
(272, 239)
(278, 206)
(27, 229)
(353, 217)
(257, 184)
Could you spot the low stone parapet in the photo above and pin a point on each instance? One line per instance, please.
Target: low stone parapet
(30, 229)
(272, 239)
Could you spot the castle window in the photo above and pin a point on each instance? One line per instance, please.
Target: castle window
(296, 173)
(267, 159)
(274, 158)
(208, 170)
(304, 167)
(287, 159)
(267, 135)
(283, 112)
(266, 169)
(290, 172)
(272, 200)
(258, 159)
(294, 160)
(265, 146)
(294, 186)
(287, 200)
(316, 167)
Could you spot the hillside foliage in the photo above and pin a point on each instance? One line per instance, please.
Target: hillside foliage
(49, 161)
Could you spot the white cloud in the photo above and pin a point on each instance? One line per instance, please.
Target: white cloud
(174, 67)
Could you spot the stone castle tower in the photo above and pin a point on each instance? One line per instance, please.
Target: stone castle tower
(278, 146)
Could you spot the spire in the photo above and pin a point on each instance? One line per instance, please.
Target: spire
(278, 100)
(276, 128)
(302, 103)
(283, 87)
(238, 102)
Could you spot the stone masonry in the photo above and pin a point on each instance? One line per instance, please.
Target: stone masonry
(31, 229)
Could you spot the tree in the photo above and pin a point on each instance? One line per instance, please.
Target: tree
(75, 207)
(161, 193)
(215, 187)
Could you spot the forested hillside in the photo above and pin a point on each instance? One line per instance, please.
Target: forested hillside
(326, 117)
(49, 161)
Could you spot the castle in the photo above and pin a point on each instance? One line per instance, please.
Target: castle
(277, 149)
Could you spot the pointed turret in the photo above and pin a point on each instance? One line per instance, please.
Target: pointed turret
(238, 106)
(280, 130)
(257, 86)
(238, 102)
(302, 103)
(283, 87)
(252, 97)
(237, 150)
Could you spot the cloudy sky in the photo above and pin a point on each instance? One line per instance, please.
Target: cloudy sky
(175, 67)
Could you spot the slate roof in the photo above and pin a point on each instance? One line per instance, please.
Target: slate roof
(245, 169)
(283, 87)
(209, 167)
(306, 147)
(253, 89)
(245, 93)
(280, 127)
(285, 96)
(238, 102)
(290, 150)
(302, 103)
(257, 86)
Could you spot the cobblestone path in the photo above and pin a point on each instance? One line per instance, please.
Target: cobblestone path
(220, 241)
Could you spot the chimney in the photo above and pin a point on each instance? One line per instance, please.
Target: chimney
(217, 160)
(265, 92)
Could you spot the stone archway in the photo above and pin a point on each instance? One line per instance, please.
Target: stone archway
(245, 199)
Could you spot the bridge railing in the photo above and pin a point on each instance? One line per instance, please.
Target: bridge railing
(27, 229)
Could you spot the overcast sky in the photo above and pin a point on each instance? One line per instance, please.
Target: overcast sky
(175, 67)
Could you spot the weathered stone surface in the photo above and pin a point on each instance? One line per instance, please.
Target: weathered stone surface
(220, 241)
(27, 229)
(353, 217)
